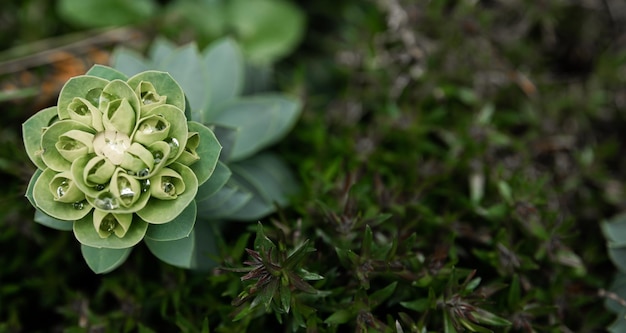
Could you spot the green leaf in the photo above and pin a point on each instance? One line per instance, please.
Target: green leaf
(268, 29)
(86, 234)
(187, 68)
(164, 84)
(97, 13)
(106, 72)
(51, 222)
(259, 120)
(163, 211)
(78, 86)
(225, 202)
(103, 261)
(160, 50)
(194, 251)
(419, 305)
(51, 156)
(128, 61)
(615, 230)
(208, 150)
(488, 318)
(261, 241)
(44, 200)
(218, 179)
(448, 325)
(31, 134)
(224, 63)
(268, 179)
(178, 228)
(227, 137)
(379, 296)
(339, 317)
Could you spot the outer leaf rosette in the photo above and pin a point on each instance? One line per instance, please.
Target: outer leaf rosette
(117, 156)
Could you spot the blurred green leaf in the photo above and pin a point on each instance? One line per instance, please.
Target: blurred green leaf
(178, 228)
(225, 67)
(96, 13)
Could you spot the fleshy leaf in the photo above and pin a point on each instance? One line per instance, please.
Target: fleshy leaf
(190, 252)
(160, 50)
(228, 200)
(208, 149)
(151, 129)
(164, 84)
(260, 120)
(177, 136)
(128, 61)
(186, 67)
(51, 222)
(44, 200)
(227, 136)
(219, 177)
(163, 211)
(84, 86)
(102, 260)
(224, 63)
(86, 234)
(178, 228)
(51, 156)
(106, 73)
(32, 132)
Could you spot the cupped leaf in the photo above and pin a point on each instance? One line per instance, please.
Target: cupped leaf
(178, 228)
(84, 86)
(120, 105)
(86, 234)
(44, 200)
(32, 130)
(167, 184)
(107, 224)
(64, 189)
(164, 84)
(49, 221)
(108, 202)
(187, 68)
(178, 132)
(218, 179)
(224, 63)
(102, 260)
(92, 174)
(208, 149)
(163, 211)
(51, 156)
(74, 144)
(106, 72)
(125, 188)
(84, 112)
(151, 129)
(138, 160)
(129, 62)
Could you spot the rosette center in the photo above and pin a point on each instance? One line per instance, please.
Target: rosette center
(112, 145)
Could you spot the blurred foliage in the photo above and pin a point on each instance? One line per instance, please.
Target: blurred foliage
(457, 158)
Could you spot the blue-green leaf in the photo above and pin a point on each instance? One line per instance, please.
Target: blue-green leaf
(98, 13)
(31, 134)
(224, 63)
(208, 150)
(178, 228)
(103, 261)
(128, 61)
(106, 72)
(186, 67)
(51, 222)
(219, 177)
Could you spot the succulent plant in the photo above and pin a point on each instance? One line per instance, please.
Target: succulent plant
(118, 161)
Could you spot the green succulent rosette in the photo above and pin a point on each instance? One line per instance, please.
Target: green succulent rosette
(118, 161)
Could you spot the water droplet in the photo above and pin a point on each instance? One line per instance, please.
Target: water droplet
(146, 128)
(145, 185)
(108, 223)
(62, 188)
(93, 95)
(99, 187)
(158, 156)
(127, 194)
(105, 99)
(167, 185)
(143, 172)
(106, 201)
(174, 145)
(82, 110)
(78, 205)
(160, 126)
